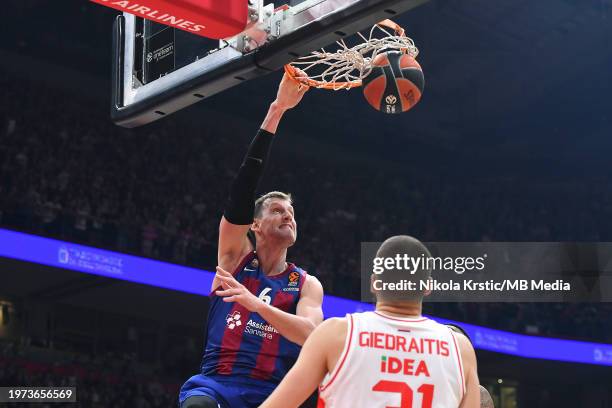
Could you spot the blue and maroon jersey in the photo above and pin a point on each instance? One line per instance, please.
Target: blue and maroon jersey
(241, 343)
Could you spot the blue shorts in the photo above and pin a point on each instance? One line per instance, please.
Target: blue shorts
(228, 391)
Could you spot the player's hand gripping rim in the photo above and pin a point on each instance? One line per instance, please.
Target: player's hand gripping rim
(291, 90)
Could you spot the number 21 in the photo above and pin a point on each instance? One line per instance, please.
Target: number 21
(406, 392)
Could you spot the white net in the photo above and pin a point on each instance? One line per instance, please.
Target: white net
(347, 66)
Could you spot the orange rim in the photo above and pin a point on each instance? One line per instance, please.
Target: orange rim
(291, 71)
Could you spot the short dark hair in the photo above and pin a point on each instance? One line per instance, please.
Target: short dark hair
(260, 202)
(413, 248)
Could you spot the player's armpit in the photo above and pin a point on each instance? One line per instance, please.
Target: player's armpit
(471, 399)
(233, 246)
(233, 243)
(310, 368)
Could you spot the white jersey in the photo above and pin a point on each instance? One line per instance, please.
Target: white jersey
(395, 362)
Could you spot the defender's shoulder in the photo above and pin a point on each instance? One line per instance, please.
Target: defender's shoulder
(333, 328)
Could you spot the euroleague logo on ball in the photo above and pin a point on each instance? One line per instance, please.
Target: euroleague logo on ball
(391, 99)
(395, 83)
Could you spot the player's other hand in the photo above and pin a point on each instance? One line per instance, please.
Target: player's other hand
(290, 91)
(234, 291)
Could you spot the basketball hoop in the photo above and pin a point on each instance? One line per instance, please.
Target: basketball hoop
(346, 67)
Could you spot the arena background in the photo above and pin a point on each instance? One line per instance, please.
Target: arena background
(511, 142)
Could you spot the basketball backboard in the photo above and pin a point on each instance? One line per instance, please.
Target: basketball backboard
(159, 70)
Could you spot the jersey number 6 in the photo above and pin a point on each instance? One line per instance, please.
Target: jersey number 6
(263, 296)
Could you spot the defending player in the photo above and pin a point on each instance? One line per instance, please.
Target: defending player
(390, 357)
(263, 311)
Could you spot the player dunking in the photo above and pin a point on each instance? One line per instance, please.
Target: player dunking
(263, 311)
(392, 357)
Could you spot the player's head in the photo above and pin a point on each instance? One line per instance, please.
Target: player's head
(401, 259)
(274, 219)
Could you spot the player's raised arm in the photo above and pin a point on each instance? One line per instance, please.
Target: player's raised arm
(471, 399)
(238, 214)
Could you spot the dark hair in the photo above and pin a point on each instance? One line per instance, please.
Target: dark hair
(403, 245)
(260, 202)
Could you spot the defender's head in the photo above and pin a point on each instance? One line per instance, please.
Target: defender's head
(405, 251)
(274, 219)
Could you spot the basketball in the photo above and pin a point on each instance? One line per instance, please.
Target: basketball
(395, 84)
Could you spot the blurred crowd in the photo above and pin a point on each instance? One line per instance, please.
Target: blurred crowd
(67, 172)
(100, 382)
